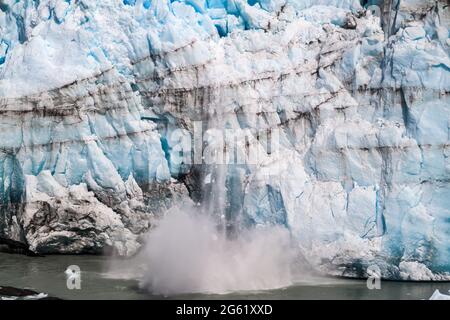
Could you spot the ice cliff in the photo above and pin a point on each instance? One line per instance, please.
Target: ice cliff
(93, 95)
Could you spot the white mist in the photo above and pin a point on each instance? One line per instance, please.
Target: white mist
(186, 253)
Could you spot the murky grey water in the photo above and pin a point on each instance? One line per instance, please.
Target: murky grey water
(47, 275)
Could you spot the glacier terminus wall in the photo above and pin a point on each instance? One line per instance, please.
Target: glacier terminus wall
(100, 102)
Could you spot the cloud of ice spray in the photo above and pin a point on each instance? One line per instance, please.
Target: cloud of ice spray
(186, 253)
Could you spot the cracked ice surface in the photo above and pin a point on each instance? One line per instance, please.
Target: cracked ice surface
(360, 174)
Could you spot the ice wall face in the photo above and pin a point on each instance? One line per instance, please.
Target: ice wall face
(358, 105)
(81, 171)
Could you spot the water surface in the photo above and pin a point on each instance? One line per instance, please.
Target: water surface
(46, 274)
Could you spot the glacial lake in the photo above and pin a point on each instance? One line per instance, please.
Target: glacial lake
(46, 274)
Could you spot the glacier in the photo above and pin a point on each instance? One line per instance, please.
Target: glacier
(99, 102)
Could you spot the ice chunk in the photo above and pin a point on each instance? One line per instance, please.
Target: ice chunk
(439, 296)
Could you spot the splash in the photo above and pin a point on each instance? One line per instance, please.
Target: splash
(187, 253)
